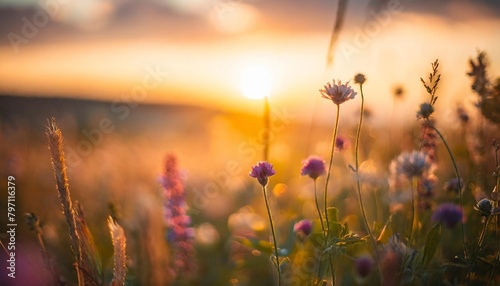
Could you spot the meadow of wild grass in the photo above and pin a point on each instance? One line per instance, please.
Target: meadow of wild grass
(179, 196)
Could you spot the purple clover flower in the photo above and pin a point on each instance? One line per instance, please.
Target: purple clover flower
(262, 171)
(303, 227)
(313, 166)
(448, 214)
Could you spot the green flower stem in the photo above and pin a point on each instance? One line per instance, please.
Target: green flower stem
(326, 188)
(317, 207)
(414, 183)
(493, 271)
(360, 199)
(466, 251)
(322, 226)
(273, 235)
(480, 240)
(330, 167)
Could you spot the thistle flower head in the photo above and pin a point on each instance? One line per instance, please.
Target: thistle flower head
(313, 166)
(448, 214)
(303, 227)
(484, 207)
(425, 110)
(338, 93)
(262, 171)
(411, 165)
(359, 78)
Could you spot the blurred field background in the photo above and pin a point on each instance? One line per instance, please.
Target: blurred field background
(86, 60)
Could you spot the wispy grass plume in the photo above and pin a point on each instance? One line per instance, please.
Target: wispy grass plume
(119, 247)
(87, 262)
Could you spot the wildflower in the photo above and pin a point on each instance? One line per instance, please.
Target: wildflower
(338, 93)
(364, 265)
(359, 78)
(425, 111)
(179, 233)
(391, 260)
(453, 185)
(303, 227)
(313, 166)
(262, 171)
(429, 140)
(485, 207)
(448, 214)
(411, 165)
(341, 143)
(426, 191)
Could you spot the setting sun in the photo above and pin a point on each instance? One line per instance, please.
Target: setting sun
(256, 82)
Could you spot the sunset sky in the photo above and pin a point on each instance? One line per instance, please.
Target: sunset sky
(199, 49)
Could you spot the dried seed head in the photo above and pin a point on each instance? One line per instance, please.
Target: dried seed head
(485, 207)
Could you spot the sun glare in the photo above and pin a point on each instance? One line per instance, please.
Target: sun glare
(256, 82)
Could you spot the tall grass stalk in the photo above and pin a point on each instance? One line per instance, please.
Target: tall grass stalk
(87, 262)
(119, 255)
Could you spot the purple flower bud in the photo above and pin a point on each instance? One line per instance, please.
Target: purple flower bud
(341, 143)
(448, 214)
(313, 166)
(359, 78)
(453, 185)
(303, 227)
(364, 265)
(262, 171)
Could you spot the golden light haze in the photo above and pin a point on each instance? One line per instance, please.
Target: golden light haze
(205, 70)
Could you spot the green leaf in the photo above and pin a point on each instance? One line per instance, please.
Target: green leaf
(333, 214)
(431, 244)
(386, 232)
(335, 229)
(317, 239)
